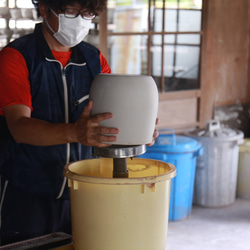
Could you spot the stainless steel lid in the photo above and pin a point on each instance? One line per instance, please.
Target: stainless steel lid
(119, 151)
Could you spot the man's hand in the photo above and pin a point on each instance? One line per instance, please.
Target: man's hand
(88, 131)
(156, 133)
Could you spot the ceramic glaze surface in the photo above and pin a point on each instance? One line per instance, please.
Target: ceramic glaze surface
(133, 100)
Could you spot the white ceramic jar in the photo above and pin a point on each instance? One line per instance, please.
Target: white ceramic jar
(133, 101)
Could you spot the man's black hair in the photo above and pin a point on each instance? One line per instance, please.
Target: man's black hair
(93, 6)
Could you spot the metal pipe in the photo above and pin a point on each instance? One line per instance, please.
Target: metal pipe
(120, 168)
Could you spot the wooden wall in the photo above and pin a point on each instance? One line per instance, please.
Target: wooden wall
(224, 67)
(225, 56)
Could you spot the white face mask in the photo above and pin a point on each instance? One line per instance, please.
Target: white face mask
(71, 31)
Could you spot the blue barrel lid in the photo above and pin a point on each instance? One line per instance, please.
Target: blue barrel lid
(171, 143)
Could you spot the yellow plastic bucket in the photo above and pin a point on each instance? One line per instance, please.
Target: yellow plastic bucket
(243, 184)
(119, 214)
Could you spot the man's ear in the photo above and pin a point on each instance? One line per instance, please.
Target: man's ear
(43, 9)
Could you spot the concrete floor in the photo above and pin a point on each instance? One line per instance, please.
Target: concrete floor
(226, 228)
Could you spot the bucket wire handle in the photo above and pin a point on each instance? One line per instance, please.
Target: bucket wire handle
(213, 125)
(172, 134)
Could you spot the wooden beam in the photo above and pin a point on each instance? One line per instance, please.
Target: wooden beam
(103, 33)
(180, 95)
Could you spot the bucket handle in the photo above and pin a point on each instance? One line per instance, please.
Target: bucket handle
(199, 152)
(239, 142)
(171, 134)
(213, 125)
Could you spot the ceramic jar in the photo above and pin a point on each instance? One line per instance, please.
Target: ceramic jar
(133, 101)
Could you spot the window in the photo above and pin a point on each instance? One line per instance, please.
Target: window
(159, 38)
(17, 18)
(162, 39)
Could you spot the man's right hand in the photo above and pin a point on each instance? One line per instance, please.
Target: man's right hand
(88, 131)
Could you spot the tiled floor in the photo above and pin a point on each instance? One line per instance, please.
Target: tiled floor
(226, 228)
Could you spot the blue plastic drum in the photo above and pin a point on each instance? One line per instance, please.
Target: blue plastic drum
(182, 152)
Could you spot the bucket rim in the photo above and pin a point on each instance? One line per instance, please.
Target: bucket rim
(181, 144)
(235, 138)
(121, 181)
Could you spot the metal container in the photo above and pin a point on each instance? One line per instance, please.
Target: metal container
(216, 170)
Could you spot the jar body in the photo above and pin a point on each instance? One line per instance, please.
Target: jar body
(133, 101)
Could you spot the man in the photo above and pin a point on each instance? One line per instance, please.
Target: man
(44, 86)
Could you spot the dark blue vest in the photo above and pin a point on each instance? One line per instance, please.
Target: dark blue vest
(36, 169)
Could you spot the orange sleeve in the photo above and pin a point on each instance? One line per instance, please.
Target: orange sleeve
(104, 65)
(14, 80)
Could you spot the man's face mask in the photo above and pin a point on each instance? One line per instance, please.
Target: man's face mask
(71, 31)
